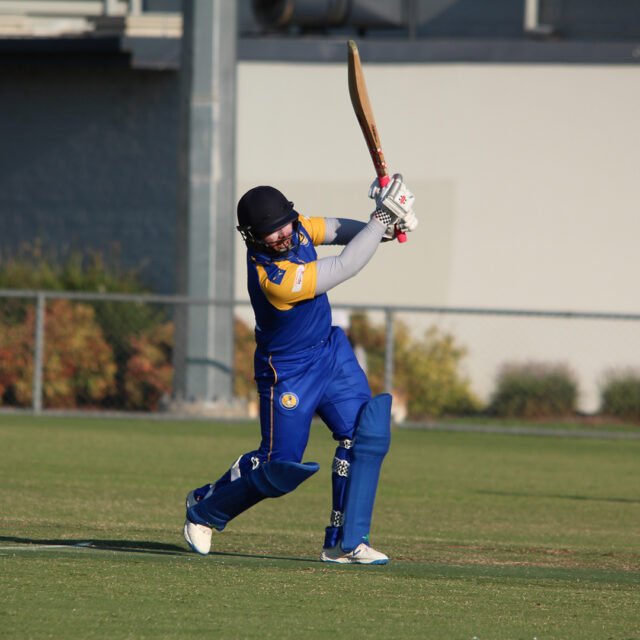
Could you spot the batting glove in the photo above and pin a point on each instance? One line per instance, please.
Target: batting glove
(396, 198)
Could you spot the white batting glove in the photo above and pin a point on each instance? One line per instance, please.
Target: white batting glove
(400, 226)
(396, 198)
(390, 233)
(408, 223)
(389, 220)
(375, 190)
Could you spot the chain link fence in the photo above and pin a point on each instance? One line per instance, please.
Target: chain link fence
(116, 352)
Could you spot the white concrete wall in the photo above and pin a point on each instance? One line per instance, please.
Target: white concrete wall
(526, 178)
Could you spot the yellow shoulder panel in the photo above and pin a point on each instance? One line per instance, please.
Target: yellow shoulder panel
(298, 283)
(315, 228)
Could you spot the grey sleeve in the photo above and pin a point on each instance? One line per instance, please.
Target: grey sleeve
(336, 269)
(341, 230)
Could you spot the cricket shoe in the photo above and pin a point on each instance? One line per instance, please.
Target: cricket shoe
(198, 537)
(362, 554)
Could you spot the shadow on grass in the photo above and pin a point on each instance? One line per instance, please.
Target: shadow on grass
(523, 494)
(133, 546)
(136, 546)
(422, 569)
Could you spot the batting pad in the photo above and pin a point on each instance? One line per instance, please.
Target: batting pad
(371, 444)
(339, 479)
(269, 480)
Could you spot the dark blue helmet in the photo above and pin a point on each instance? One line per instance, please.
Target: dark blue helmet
(261, 211)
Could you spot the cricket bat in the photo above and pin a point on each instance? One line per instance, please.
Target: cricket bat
(364, 114)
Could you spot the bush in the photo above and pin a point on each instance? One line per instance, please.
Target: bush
(431, 378)
(148, 376)
(620, 397)
(534, 390)
(425, 372)
(79, 369)
(120, 322)
(124, 325)
(16, 360)
(34, 268)
(372, 338)
(245, 346)
(72, 270)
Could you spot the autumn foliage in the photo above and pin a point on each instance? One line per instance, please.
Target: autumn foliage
(78, 362)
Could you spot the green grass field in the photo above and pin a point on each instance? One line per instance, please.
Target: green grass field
(490, 537)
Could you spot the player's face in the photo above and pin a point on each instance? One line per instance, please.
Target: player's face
(280, 239)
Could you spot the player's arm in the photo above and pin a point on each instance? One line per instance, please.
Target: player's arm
(333, 270)
(293, 282)
(299, 282)
(394, 211)
(331, 230)
(396, 199)
(341, 230)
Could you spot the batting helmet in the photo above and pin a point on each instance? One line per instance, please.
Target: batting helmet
(261, 211)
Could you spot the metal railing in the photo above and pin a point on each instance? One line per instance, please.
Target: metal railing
(590, 342)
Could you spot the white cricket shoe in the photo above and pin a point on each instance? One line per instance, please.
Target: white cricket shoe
(198, 537)
(362, 554)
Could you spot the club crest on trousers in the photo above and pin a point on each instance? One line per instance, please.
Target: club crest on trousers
(289, 400)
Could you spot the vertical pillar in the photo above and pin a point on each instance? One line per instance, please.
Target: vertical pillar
(206, 216)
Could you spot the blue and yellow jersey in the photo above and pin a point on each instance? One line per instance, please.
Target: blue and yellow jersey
(289, 316)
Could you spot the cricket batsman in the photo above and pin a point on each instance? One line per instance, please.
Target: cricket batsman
(304, 365)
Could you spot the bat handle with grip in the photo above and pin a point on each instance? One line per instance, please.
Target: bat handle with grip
(383, 181)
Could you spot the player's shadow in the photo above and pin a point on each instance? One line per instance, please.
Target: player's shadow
(132, 546)
(135, 546)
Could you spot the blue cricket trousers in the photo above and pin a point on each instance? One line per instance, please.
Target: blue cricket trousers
(325, 379)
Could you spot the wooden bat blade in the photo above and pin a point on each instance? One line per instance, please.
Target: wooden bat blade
(364, 112)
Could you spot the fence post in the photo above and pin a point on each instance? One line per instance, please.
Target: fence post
(38, 352)
(388, 351)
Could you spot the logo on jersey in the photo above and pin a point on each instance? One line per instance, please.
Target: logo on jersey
(297, 282)
(289, 400)
(275, 273)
